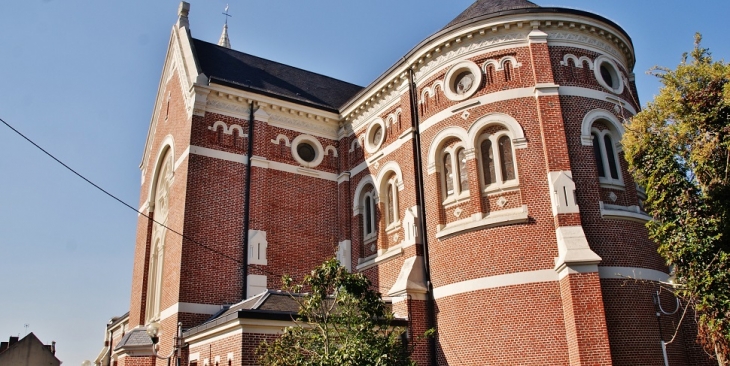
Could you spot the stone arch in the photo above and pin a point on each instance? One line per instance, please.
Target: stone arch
(518, 135)
(368, 179)
(389, 167)
(332, 149)
(591, 117)
(168, 144)
(440, 138)
(219, 124)
(279, 138)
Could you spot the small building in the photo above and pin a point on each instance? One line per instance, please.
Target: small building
(29, 351)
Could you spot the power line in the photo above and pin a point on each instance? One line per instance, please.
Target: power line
(130, 206)
(115, 197)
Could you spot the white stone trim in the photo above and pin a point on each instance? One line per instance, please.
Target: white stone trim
(388, 255)
(189, 307)
(510, 279)
(573, 250)
(617, 212)
(411, 278)
(332, 149)
(562, 192)
(168, 143)
(235, 327)
(456, 70)
(594, 115)
(577, 61)
(318, 150)
(489, 98)
(615, 73)
(217, 154)
(181, 159)
(546, 90)
(357, 197)
(436, 145)
(261, 162)
(370, 145)
(517, 215)
(632, 273)
(576, 91)
(275, 165)
(279, 138)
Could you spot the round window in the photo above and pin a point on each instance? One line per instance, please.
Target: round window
(306, 152)
(463, 82)
(607, 74)
(377, 135)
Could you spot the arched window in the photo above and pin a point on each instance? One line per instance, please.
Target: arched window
(508, 71)
(455, 177)
(498, 168)
(161, 209)
(368, 217)
(606, 156)
(391, 202)
(490, 74)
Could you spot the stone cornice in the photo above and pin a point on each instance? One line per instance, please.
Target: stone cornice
(235, 103)
(495, 33)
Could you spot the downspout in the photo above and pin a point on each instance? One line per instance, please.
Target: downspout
(247, 203)
(420, 202)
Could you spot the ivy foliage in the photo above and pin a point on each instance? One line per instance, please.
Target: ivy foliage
(342, 321)
(678, 149)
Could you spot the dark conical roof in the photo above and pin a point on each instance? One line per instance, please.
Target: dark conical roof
(486, 7)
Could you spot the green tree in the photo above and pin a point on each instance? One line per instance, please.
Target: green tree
(342, 321)
(678, 149)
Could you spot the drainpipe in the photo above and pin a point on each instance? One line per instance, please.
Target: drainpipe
(247, 202)
(420, 202)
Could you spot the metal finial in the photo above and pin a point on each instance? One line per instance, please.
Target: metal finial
(225, 12)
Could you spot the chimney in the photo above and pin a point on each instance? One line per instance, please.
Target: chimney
(3, 346)
(53, 347)
(12, 341)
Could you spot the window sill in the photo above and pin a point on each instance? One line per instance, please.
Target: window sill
(386, 256)
(502, 188)
(616, 212)
(512, 216)
(612, 184)
(370, 238)
(456, 200)
(393, 227)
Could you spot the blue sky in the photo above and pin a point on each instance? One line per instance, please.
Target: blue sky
(80, 76)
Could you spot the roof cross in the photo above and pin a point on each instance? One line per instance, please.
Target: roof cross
(225, 12)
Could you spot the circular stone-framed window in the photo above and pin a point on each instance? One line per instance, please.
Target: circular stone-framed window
(607, 74)
(462, 81)
(307, 150)
(375, 135)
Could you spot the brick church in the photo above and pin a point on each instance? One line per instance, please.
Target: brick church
(479, 183)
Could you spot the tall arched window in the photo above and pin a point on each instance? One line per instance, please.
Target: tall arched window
(490, 74)
(368, 217)
(161, 209)
(455, 177)
(508, 71)
(391, 202)
(498, 168)
(606, 156)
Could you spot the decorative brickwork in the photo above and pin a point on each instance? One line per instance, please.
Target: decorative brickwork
(534, 259)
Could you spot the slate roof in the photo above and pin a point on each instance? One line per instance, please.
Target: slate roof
(488, 7)
(135, 338)
(247, 72)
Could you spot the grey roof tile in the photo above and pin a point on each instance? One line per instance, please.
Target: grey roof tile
(243, 71)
